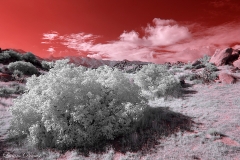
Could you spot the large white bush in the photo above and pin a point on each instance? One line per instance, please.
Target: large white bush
(76, 107)
(157, 80)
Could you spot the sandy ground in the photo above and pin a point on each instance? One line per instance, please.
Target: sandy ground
(5, 117)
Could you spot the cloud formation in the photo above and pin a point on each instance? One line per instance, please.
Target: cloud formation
(79, 41)
(51, 50)
(166, 40)
(50, 36)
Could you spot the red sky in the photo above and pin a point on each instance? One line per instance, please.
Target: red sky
(154, 30)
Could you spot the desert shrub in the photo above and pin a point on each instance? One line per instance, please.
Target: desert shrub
(198, 81)
(208, 76)
(188, 66)
(29, 57)
(17, 74)
(199, 66)
(173, 71)
(17, 88)
(158, 81)
(205, 76)
(4, 56)
(76, 107)
(211, 67)
(174, 66)
(205, 59)
(25, 67)
(47, 65)
(192, 76)
(14, 55)
(6, 91)
(4, 69)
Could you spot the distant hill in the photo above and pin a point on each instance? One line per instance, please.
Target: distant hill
(95, 63)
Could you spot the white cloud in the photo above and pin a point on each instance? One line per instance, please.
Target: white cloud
(51, 50)
(78, 41)
(166, 40)
(165, 32)
(131, 46)
(50, 36)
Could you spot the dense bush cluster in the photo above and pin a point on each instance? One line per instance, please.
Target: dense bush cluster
(76, 107)
(10, 55)
(158, 81)
(29, 57)
(14, 55)
(25, 67)
(4, 56)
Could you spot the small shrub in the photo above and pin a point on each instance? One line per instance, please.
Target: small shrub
(29, 57)
(173, 71)
(192, 76)
(6, 92)
(4, 69)
(4, 56)
(47, 65)
(205, 76)
(25, 67)
(208, 76)
(14, 55)
(157, 80)
(205, 59)
(198, 81)
(76, 107)
(18, 88)
(17, 74)
(188, 67)
(199, 66)
(211, 67)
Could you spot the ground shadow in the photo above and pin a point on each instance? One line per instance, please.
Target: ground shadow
(146, 133)
(186, 85)
(3, 104)
(2, 149)
(156, 123)
(186, 92)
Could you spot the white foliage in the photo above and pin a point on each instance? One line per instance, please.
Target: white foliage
(76, 106)
(157, 80)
